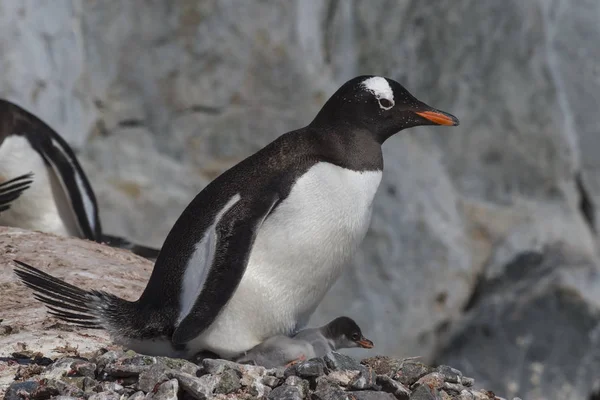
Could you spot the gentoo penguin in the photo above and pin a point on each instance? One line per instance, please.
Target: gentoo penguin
(59, 198)
(257, 249)
(341, 333)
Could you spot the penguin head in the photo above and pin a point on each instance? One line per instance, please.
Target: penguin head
(380, 106)
(345, 333)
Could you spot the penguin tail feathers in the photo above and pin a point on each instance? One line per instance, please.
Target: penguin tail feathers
(86, 309)
(142, 251)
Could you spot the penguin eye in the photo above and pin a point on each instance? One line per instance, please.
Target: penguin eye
(385, 104)
(355, 336)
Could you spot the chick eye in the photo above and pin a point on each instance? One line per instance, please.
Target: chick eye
(355, 336)
(385, 104)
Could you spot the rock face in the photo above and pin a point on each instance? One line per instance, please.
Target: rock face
(117, 375)
(159, 98)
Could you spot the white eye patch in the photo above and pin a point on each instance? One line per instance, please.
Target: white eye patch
(382, 91)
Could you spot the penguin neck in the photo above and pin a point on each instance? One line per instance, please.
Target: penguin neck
(347, 145)
(327, 335)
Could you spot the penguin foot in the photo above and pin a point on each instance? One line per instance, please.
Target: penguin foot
(296, 361)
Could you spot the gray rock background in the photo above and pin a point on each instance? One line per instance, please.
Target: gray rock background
(159, 97)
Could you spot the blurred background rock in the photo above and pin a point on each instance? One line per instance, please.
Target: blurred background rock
(482, 250)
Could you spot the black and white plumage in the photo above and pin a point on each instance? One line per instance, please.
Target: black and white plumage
(58, 198)
(255, 252)
(341, 333)
(13, 189)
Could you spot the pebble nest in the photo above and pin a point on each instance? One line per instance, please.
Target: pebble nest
(107, 375)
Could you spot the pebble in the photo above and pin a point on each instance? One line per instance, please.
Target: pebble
(423, 393)
(339, 362)
(105, 396)
(20, 390)
(389, 385)
(371, 395)
(450, 374)
(228, 382)
(411, 371)
(121, 375)
(286, 392)
(167, 390)
(309, 369)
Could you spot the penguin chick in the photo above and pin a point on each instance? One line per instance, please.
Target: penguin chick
(341, 333)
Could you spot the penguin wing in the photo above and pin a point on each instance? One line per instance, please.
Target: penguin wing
(13, 189)
(234, 236)
(122, 243)
(75, 199)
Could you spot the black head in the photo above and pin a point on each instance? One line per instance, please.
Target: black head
(379, 105)
(345, 333)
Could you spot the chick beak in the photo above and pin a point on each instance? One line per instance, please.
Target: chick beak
(365, 343)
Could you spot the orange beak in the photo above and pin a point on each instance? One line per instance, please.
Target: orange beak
(438, 118)
(365, 343)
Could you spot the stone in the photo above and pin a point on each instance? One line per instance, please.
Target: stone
(366, 379)
(152, 376)
(383, 365)
(178, 364)
(467, 381)
(105, 396)
(60, 368)
(434, 380)
(20, 390)
(106, 358)
(228, 382)
(343, 378)
(112, 387)
(309, 369)
(336, 362)
(329, 392)
(389, 385)
(450, 374)
(129, 366)
(286, 392)
(199, 388)
(84, 368)
(139, 395)
(302, 384)
(423, 393)
(167, 390)
(217, 366)
(273, 381)
(370, 395)
(411, 371)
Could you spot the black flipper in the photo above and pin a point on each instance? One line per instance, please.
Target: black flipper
(13, 189)
(143, 251)
(235, 234)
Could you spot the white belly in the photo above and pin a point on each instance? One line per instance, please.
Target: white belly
(36, 208)
(298, 255)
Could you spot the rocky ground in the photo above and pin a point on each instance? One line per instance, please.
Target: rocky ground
(105, 375)
(42, 358)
